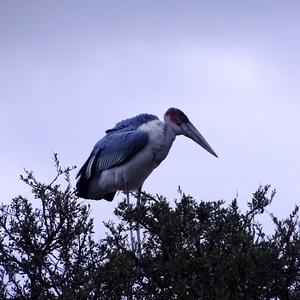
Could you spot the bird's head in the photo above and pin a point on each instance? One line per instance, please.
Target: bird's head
(180, 123)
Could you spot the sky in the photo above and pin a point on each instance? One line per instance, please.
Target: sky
(69, 70)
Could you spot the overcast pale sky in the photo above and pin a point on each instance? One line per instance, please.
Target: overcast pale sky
(71, 69)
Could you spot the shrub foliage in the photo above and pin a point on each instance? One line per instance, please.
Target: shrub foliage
(190, 249)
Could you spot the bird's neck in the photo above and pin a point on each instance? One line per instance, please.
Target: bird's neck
(170, 135)
(163, 142)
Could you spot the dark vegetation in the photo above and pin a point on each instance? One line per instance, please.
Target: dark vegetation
(190, 250)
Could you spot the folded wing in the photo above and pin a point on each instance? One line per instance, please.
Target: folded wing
(113, 150)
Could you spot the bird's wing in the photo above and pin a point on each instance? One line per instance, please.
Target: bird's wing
(112, 150)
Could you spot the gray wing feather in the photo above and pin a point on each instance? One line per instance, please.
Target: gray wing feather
(112, 150)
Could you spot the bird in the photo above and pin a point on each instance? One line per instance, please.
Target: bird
(125, 157)
(129, 152)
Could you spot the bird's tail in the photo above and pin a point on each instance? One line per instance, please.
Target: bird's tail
(82, 182)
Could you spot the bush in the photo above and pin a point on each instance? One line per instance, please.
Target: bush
(193, 250)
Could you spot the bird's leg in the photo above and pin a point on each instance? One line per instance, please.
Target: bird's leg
(138, 235)
(130, 226)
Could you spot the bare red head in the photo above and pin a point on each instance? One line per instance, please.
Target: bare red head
(176, 116)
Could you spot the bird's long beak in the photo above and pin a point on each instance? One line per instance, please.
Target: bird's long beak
(190, 131)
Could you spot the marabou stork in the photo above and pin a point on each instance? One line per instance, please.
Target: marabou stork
(129, 152)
